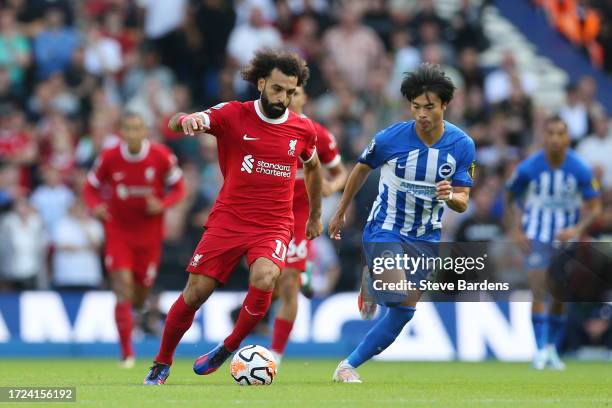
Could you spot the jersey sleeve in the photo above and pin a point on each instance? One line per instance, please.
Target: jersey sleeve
(173, 172)
(519, 180)
(466, 166)
(99, 171)
(587, 183)
(310, 148)
(377, 152)
(216, 117)
(327, 149)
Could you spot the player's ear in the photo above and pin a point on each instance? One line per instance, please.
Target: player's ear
(261, 84)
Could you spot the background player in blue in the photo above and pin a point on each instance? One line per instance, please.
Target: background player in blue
(550, 186)
(425, 163)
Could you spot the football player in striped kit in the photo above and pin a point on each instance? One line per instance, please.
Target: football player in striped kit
(559, 199)
(426, 164)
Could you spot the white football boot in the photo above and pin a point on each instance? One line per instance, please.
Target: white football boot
(346, 373)
(540, 359)
(554, 361)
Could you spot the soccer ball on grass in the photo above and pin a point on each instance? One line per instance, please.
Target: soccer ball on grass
(253, 365)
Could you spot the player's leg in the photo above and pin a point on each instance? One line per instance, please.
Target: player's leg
(539, 316)
(122, 283)
(288, 288)
(263, 276)
(378, 338)
(556, 331)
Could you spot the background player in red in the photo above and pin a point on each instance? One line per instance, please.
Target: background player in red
(288, 284)
(259, 144)
(129, 188)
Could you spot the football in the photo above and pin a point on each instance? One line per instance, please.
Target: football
(253, 365)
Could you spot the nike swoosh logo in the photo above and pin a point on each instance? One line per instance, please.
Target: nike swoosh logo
(401, 167)
(246, 137)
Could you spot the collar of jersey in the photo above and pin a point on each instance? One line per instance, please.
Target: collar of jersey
(266, 119)
(144, 151)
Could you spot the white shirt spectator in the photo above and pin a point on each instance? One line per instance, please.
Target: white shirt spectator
(243, 10)
(22, 246)
(597, 152)
(52, 203)
(104, 56)
(162, 16)
(76, 261)
(246, 39)
(498, 85)
(577, 119)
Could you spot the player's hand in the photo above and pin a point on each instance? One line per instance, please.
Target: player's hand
(154, 205)
(519, 237)
(335, 225)
(101, 212)
(193, 124)
(567, 234)
(443, 190)
(314, 227)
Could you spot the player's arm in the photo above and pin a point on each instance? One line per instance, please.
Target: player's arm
(175, 184)
(511, 220)
(355, 181)
(338, 176)
(457, 198)
(91, 191)
(189, 124)
(313, 178)
(591, 210)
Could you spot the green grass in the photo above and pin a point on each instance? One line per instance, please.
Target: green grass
(306, 383)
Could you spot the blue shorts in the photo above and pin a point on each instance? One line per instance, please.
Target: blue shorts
(380, 245)
(540, 256)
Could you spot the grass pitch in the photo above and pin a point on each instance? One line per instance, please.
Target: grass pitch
(307, 383)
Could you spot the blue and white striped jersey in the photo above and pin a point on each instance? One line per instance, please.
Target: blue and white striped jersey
(406, 202)
(551, 198)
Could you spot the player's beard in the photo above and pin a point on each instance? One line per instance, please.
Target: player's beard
(272, 110)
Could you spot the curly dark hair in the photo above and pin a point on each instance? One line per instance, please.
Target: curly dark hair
(266, 59)
(428, 78)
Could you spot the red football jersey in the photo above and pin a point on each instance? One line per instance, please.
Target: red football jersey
(132, 178)
(258, 157)
(327, 150)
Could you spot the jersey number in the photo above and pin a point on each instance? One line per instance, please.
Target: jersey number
(280, 251)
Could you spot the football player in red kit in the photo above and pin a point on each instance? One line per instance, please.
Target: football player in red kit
(142, 179)
(288, 284)
(259, 144)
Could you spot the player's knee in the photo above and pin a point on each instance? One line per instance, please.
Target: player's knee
(265, 277)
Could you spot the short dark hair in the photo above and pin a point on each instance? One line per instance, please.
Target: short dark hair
(428, 78)
(555, 119)
(129, 114)
(266, 59)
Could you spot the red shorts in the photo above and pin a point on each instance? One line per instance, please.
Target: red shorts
(141, 260)
(220, 250)
(299, 247)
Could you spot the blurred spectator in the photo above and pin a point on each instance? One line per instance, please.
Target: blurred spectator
(480, 225)
(15, 54)
(247, 38)
(17, 143)
(77, 240)
(153, 100)
(102, 54)
(406, 57)
(517, 113)
(52, 199)
(354, 48)
(23, 244)
(54, 46)
(467, 27)
(148, 66)
(244, 11)
(575, 115)
(7, 193)
(325, 266)
(498, 83)
(469, 68)
(596, 149)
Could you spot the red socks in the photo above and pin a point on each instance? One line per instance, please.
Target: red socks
(125, 323)
(280, 337)
(254, 308)
(178, 321)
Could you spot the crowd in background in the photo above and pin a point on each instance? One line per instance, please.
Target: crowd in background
(68, 69)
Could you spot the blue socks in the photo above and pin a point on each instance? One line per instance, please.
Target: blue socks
(540, 329)
(556, 329)
(382, 334)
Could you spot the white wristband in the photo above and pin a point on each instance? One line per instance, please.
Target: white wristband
(450, 196)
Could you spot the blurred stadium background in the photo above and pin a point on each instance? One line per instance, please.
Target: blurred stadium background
(68, 68)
